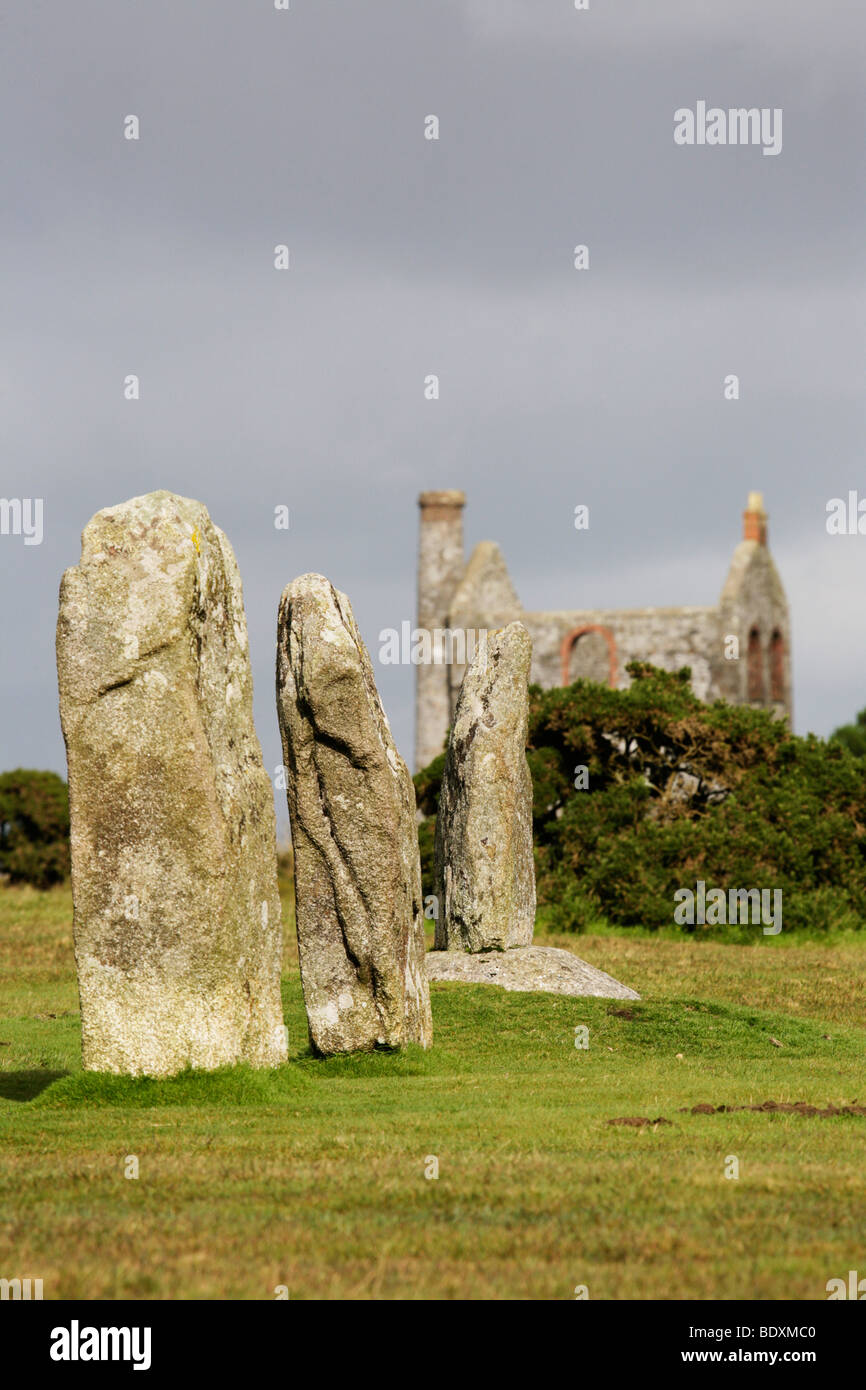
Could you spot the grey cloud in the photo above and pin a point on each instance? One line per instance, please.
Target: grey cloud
(411, 257)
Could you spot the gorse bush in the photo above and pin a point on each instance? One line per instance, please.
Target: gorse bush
(640, 792)
(34, 827)
(853, 735)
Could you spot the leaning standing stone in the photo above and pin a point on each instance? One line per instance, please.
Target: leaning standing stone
(177, 914)
(352, 808)
(485, 876)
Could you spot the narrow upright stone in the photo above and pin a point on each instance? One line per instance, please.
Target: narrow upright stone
(352, 809)
(177, 915)
(485, 875)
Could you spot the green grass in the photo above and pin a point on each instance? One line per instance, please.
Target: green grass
(313, 1175)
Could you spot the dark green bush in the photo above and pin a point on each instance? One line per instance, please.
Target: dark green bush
(853, 735)
(34, 827)
(680, 791)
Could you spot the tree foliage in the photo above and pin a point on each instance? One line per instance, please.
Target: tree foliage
(853, 735)
(674, 791)
(34, 827)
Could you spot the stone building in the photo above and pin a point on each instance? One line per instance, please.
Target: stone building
(457, 601)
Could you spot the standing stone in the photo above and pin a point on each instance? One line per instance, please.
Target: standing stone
(177, 915)
(485, 875)
(352, 808)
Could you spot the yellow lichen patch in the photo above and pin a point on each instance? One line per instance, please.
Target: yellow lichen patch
(196, 540)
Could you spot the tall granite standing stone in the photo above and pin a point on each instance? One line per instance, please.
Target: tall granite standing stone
(177, 914)
(485, 875)
(352, 809)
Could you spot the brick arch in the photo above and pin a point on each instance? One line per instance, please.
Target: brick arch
(569, 641)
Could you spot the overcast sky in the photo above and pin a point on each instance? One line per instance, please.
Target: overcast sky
(455, 257)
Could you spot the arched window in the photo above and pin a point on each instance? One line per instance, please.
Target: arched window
(777, 667)
(589, 653)
(755, 668)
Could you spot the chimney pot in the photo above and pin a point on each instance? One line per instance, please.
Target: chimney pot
(755, 519)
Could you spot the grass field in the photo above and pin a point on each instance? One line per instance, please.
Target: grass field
(312, 1177)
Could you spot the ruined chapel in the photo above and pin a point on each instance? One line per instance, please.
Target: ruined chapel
(596, 644)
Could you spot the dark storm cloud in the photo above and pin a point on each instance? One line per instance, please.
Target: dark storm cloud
(454, 257)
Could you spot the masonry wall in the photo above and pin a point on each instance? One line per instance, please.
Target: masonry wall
(667, 637)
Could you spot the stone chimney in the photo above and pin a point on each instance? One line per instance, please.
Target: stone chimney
(440, 569)
(755, 519)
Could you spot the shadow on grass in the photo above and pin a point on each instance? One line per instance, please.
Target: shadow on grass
(226, 1087)
(26, 1085)
(377, 1062)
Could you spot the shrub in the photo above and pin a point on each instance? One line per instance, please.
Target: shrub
(853, 735)
(34, 827)
(680, 791)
